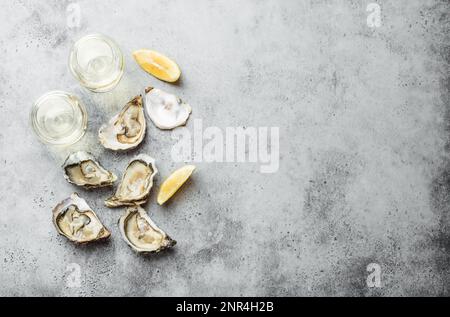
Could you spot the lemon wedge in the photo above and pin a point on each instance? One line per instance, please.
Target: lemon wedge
(174, 182)
(158, 65)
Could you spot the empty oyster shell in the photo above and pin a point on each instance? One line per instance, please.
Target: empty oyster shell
(137, 181)
(74, 219)
(141, 233)
(82, 169)
(126, 130)
(167, 111)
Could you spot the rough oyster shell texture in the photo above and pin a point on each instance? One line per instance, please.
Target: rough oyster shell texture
(126, 130)
(137, 181)
(167, 111)
(74, 219)
(141, 233)
(82, 169)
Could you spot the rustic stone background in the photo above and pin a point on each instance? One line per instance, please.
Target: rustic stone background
(364, 170)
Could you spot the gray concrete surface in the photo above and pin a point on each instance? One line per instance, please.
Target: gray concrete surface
(364, 171)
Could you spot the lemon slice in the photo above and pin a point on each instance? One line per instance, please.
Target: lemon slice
(158, 65)
(174, 182)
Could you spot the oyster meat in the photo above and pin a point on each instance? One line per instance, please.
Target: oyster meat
(82, 169)
(74, 219)
(167, 111)
(137, 181)
(141, 233)
(126, 130)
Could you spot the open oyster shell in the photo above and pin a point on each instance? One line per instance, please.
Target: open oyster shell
(126, 130)
(141, 233)
(82, 169)
(137, 181)
(167, 111)
(74, 219)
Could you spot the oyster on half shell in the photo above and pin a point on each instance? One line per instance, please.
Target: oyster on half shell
(167, 111)
(126, 130)
(137, 181)
(82, 169)
(141, 233)
(74, 219)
